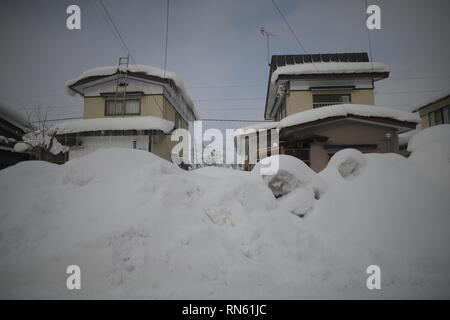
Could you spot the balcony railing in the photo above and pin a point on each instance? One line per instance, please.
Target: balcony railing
(324, 104)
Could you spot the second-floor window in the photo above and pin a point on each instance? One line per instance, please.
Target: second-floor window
(322, 100)
(130, 107)
(439, 116)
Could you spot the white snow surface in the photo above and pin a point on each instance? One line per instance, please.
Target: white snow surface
(125, 123)
(432, 141)
(345, 110)
(140, 227)
(439, 133)
(329, 68)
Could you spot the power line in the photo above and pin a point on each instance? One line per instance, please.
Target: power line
(229, 99)
(293, 32)
(228, 85)
(122, 40)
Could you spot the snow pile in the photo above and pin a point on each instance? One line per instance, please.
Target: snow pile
(294, 183)
(44, 140)
(329, 68)
(396, 211)
(431, 151)
(346, 164)
(343, 110)
(403, 138)
(140, 227)
(436, 134)
(126, 123)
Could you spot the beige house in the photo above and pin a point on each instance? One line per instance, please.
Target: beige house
(322, 103)
(435, 110)
(131, 107)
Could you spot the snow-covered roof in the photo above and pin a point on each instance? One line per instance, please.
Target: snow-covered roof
(339, 110)
(434, 98)
(128, 123)
(342, 110)
(329, 68)
(148, 70)
(142, 69)
(14, 117)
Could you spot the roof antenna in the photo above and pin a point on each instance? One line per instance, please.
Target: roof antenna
(267, 34)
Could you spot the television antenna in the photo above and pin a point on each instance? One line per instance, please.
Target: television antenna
(267, 34)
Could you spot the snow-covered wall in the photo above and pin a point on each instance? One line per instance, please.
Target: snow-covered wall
(93, 143)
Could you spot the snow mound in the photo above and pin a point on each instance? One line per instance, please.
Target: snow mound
(140, 227)
(396, 211)
(294, 184)
(348, 163)
(435, 134)
(431, 151)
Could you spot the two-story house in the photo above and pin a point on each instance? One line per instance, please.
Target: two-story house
(322, 103)
(129, 107)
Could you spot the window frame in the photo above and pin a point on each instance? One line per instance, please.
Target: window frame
(124, 107)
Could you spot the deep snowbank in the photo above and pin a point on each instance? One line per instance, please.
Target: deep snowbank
(140, 227)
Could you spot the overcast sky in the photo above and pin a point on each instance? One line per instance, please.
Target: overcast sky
(216, 47)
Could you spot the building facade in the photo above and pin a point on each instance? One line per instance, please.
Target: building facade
(323, 103)
(124, 94)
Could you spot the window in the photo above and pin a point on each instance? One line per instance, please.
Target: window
(439, 116)
(116, 107)
(178, 121)
(446, 114)
(322, 100)
(432, 118)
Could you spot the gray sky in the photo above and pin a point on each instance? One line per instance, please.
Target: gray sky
(216, 47)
